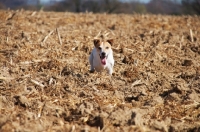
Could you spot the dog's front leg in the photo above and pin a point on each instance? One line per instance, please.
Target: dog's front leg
(110, 70)
(91, 63)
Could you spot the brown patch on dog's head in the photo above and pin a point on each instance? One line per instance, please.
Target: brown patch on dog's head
(104, 44)
(96, 43)
(110, 41)
(102, 41)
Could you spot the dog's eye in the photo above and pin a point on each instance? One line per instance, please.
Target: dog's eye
(107, 47)
(99, 48)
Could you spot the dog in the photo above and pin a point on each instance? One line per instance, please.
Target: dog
(101, 56)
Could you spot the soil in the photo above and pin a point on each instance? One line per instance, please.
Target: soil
(45, 83)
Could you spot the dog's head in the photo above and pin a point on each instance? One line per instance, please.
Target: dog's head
(103, 48)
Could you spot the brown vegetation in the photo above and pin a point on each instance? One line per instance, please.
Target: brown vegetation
(45, 84)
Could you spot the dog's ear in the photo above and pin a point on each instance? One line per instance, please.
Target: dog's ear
(96, 42)
(110, 41)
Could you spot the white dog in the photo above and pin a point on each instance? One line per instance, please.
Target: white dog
(102, 56)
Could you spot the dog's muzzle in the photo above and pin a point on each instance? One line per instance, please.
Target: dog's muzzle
(103, 58)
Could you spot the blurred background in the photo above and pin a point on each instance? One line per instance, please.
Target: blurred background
(172, 7)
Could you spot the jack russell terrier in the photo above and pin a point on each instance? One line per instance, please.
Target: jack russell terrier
(101, 56)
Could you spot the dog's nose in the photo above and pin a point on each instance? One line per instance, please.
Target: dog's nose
(103, 53)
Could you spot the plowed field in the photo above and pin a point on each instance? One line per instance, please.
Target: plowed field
(45, 83)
